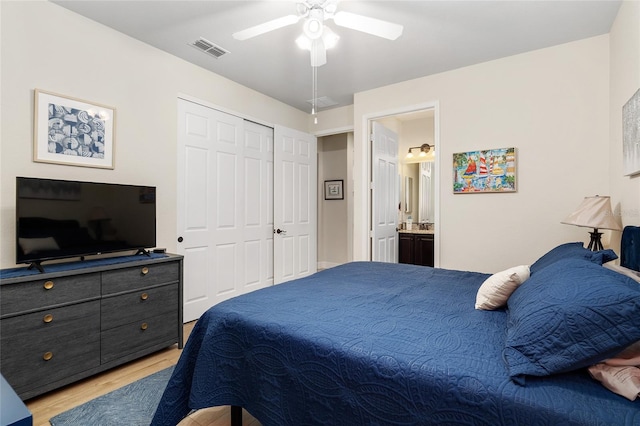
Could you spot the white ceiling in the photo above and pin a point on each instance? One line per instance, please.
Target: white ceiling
(438, 36)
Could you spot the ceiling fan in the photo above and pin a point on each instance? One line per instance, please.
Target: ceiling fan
(316, 36)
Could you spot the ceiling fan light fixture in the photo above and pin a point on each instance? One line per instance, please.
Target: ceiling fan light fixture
(303, 42)
(330, 8)
(301, 8)
(329, 38)
(313, 25)
(318, 53)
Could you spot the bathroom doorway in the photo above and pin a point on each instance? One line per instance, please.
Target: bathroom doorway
(418, 169)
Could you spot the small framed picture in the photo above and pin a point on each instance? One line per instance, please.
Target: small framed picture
(73, 132)
(333, 190)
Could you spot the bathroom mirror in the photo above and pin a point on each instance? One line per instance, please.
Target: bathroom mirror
(418, 199)
(408, 185)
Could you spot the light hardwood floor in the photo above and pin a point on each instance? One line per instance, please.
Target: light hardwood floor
(52, 403)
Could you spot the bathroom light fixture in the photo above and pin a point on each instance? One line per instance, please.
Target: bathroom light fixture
(424, 150)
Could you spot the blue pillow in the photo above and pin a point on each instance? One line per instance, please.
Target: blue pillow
(569, 315)
(572, 251)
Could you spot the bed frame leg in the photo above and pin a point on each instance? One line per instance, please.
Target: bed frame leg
(236, 415)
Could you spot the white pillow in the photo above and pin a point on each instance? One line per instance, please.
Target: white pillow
(624, 271)
(495, 290)
(30, 245)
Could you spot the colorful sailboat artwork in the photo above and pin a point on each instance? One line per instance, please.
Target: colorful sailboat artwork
(492, 170)
(482, 171)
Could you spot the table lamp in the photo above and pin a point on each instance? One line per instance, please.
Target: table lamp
(594, 212)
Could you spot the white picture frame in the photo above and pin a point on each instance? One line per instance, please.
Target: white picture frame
(631, 135)
(73, 131)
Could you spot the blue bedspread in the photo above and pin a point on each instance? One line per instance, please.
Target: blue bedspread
(373, 344)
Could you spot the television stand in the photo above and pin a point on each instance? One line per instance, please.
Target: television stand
(143, 251)
(36, 264)
(82, 318)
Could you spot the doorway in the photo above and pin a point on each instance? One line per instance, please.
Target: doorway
(335, 231)
(420, 200)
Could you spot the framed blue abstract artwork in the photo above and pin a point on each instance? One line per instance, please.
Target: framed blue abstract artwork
(73, 132)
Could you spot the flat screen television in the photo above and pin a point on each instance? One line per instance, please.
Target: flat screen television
(58, 219)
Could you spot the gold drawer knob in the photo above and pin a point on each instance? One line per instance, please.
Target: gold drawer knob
(145, 270)
(47, 318)
(48, 285)
(47, 356)
(144, 296)
(144, 326)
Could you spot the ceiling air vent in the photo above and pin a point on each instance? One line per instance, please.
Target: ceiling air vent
(323, 102)
(207, 47)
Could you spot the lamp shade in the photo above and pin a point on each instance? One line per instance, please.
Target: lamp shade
(594, 212)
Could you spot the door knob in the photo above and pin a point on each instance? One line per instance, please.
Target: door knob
(280, 231)
(180, 239)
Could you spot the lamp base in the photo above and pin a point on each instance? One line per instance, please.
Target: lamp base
(595, 244)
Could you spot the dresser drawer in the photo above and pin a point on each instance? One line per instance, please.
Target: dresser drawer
(130, 338)
(125, 279)
(49, 324)
(41, 293)
(139, 305)
(43, 354)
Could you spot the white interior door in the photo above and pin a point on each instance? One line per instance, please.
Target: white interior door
(258, 207)
(295, 204)
(224, 212)
(195, 156)
(385, 195)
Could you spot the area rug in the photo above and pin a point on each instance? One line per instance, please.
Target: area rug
(131, 405)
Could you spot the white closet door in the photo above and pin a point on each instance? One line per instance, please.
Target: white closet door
(196, 134)
(258, 207)
(295, 204)
(385, 194)
(224, 210)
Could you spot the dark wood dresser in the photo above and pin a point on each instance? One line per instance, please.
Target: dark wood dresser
(62, 326)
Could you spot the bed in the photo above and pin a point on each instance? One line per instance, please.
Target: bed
(371, 343)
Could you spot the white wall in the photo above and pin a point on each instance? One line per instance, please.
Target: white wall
(332, 121)
(552, 105)
(48, 47)
(625, 81)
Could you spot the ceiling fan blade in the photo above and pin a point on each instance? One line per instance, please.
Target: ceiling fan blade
(372, 26)
(266, 27)
(318, 53)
